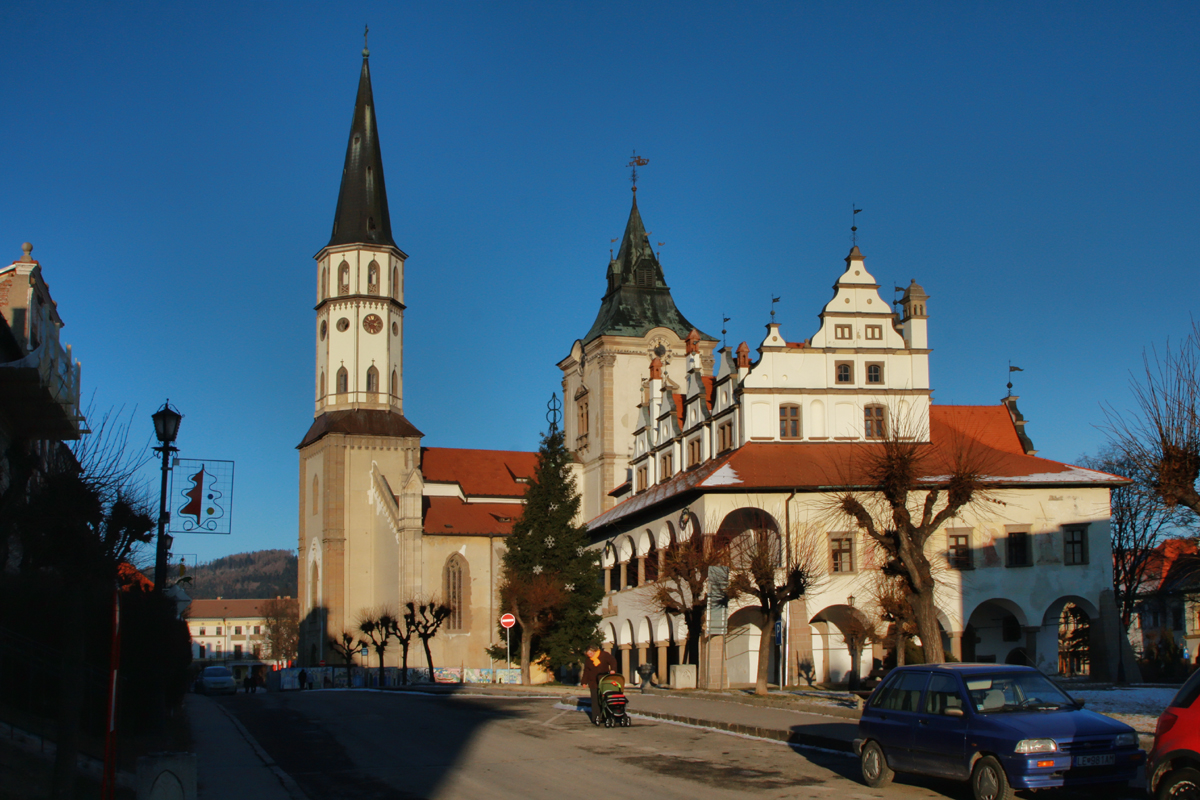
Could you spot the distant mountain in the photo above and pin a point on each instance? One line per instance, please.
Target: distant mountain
(263, 573)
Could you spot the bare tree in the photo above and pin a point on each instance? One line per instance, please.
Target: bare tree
(378, 625)
(534, 601)
(426, 619)
(404, 629)
(890, 598)
(347, 645)
(903, 505)
(682, 585)
(773, 570)
(1161, 436)
(1140, 520)
(281, 627)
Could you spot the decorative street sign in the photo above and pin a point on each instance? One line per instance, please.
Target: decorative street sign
(508, 620)
(202, 496)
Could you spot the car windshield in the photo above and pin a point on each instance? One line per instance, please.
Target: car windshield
(1015, 691)
(217, 672)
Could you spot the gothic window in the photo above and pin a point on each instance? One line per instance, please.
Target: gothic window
(373, 278)
(344, 278)
(456, 589)
(316, 493)
(314, 587)
(789, 421)
(395, 283)
(343, 381)
(874, 422)
(395, 384)
(322, 386)
(324, 282)
(372, 380)
(844, 372)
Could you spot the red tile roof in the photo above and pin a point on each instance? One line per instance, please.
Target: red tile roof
(480, 473)
(449, 515)
(244, 608)
(983, 433)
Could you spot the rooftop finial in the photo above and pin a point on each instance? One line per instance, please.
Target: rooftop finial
(366, 30)
(635, 162)
(27, 249)
(853, 227)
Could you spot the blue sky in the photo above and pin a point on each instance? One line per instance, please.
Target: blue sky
(1033, 165)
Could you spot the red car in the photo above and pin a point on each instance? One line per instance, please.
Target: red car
(1173, 767)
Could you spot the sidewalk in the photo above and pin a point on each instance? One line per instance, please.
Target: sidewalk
(229, 762)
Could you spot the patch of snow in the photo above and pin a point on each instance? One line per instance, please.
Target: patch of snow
(1136, 706)
(725, 476)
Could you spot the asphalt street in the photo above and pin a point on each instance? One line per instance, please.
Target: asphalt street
(369, 745)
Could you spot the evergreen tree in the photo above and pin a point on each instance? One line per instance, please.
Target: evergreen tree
(550, 581)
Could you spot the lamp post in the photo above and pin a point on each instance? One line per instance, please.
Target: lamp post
(853, 640)
(166, 428)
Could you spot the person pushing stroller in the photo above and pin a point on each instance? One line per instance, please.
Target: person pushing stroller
(598, 662)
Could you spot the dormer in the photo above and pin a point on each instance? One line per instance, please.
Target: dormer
(857, 317)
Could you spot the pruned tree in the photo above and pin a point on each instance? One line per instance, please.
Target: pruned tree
(347, 646)
(281, 627)
(772, 570)
(682, 585)
(911, 490)
(426, 620)
(404, 629)
(1140, 520)
(378, 626)
(1161, 435)
(890, 598)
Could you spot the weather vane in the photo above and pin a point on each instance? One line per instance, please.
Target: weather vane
(724, 323)
(1011, 370)
(774, 300)
(553, 412)
(853, 227)
(635, 162)
(366, 30)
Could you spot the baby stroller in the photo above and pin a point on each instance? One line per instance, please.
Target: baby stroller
(612, 702)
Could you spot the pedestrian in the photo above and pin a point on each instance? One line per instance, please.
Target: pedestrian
(247, 682)
(303, 679)
(597, 662)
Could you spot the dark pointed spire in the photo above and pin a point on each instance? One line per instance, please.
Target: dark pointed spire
(637, 298)
(362, 209)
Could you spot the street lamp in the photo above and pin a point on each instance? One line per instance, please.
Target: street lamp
(853, 640)
(166, 428)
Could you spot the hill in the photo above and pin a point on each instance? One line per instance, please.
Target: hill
(263, 573)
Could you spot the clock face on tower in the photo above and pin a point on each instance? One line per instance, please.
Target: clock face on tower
(372, 323)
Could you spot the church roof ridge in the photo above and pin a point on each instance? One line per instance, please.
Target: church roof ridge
(362, 209)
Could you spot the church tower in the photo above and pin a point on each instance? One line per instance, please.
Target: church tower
(359, 432)
(604, 377)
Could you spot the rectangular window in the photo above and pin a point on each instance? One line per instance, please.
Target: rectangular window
(641, 478)
(789, 422)
(237, 630)
(875, 373)
(582, 408)
(874, 422)
(257, 630)
(844, 372)
(666, 466)
(693, 452)
(724, 436)
(1018, 549)
(237, 651)
(218, 631)
(843, 332)
(1177, 618)
(1075, 545)
(874, 332)
(959, 551)
(841, 553)
(202, 632)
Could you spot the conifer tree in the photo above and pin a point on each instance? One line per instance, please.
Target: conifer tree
(550, 581)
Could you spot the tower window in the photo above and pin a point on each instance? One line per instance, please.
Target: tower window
(844, 372)
(373, 278)
(324, 282)
(344, 278)
(343, 381)
(395, 283)
(789, 422)
(644, 277)
(321, 386)
(373, 380)
(395, 384)
(582, 423)
(874, 373)
(874, 422)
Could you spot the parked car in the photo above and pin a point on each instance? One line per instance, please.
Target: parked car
(1000, 727)
(215, 680)
(1173, 768)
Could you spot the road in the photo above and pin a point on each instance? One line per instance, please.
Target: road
(383, 746)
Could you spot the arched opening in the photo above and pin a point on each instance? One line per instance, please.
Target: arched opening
(1065, 642)
(344, 278)
(651, 561)
(743, 641)
(1074, 641)
(995, 628)
(314, 586)
(372, 380)
(316, 493)
(840, 634)
(751, 534)
(456, 589)
(324, 282)
(321, 386)
(395, 384)
(343, 381)
(395, 283)
(373, 278)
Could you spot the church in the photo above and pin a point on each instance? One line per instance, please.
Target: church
(674, 438)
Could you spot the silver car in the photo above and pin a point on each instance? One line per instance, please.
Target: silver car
(216, 680)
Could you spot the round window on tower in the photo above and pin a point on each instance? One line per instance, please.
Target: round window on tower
(372, 323)
(343, 324)
(324, 329)
(395, 329)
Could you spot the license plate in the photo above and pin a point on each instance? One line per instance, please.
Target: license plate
(1095, 761)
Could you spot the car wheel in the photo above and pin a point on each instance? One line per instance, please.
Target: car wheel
(989, 782)
(1180, 784)
(875, 770)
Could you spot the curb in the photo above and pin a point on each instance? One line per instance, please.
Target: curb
(793, 737)
(289, 784)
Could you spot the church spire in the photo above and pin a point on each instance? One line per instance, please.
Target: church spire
(362, 209)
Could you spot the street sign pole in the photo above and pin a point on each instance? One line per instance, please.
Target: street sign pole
(508, 646)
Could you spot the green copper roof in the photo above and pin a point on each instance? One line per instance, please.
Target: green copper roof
(638, 297)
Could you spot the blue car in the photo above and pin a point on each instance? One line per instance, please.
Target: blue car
(1000, 727)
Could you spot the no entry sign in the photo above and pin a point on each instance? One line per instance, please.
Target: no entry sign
(507, 621)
